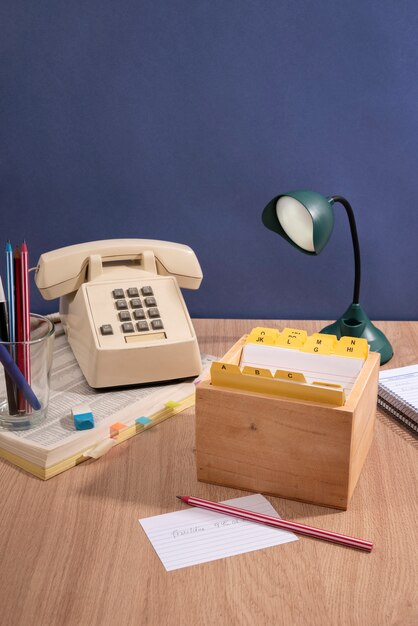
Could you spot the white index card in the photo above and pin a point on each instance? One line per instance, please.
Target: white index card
(194, 536)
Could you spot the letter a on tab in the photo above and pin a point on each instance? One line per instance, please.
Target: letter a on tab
(221, 373)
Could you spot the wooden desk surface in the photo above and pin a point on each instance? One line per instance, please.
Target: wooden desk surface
(72, 551)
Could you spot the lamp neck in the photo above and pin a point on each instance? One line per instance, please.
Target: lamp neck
(354, 236)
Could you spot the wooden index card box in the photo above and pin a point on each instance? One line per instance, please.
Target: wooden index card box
(285, 447)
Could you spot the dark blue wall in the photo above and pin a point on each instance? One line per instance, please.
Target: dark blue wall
(180, 120)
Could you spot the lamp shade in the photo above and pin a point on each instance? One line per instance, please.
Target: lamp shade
(304, 218)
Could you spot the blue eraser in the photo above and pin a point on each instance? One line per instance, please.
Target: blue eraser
(83, 417)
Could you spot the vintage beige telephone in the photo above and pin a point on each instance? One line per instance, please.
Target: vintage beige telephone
(122, 308)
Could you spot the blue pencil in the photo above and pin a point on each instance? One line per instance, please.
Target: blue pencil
(10, 291)
(18, 378)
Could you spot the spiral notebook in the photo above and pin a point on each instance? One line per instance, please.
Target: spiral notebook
(398, 394)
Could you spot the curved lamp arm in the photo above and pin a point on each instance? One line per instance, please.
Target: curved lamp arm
(354, 236)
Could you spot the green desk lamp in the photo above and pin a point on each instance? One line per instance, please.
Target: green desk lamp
(305, 219)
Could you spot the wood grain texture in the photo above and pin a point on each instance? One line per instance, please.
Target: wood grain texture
(282, 446)
(72, 551)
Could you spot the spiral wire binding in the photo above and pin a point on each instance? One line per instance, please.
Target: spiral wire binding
(393, 404)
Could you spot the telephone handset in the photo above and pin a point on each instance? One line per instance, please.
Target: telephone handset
(122, 309)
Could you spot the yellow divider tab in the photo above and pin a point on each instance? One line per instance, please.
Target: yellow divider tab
(292, 338)
(331, 385)
(320, 344)
(263, 336)
(352, 347)
(257, 371)
(287, 375)
(223, 368)
(230, 376)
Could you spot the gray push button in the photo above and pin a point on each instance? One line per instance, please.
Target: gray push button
(121, 304)
(106, 329)
(133, 292)
(142, 326)
(128, 327)
(154, 312)
(124, 316)
(118, 293)
(147, 291)
(139, 314)
(136, 303)
(157, 324)
(150, 302)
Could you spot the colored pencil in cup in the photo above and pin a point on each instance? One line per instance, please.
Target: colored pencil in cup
(25, 311)
(18, 378)
(10, 292)
(301, 529)
(4, 336)
(17, 267)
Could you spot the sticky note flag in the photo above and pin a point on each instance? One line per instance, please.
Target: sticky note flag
(116, 428)
(171, 404)
(143, 420)
(83, 417)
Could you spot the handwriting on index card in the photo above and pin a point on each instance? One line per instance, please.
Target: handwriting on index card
(193, 536)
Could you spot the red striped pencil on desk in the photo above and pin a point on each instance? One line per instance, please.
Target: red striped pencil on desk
(25, 311)
(301, 529)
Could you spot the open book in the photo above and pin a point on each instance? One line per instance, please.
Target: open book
(55, 446)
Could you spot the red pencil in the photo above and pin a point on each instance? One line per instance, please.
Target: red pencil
(301, 529)
(25, 310)
(18, 318)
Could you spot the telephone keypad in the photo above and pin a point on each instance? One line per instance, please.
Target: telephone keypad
(134, 305)
(139, 314)
(121, 304)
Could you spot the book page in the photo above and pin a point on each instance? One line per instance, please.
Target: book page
(194, 536)
(69, 389)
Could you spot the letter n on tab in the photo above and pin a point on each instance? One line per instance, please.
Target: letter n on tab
(355, 347)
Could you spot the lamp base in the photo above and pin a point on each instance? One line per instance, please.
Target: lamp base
(355, 323)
